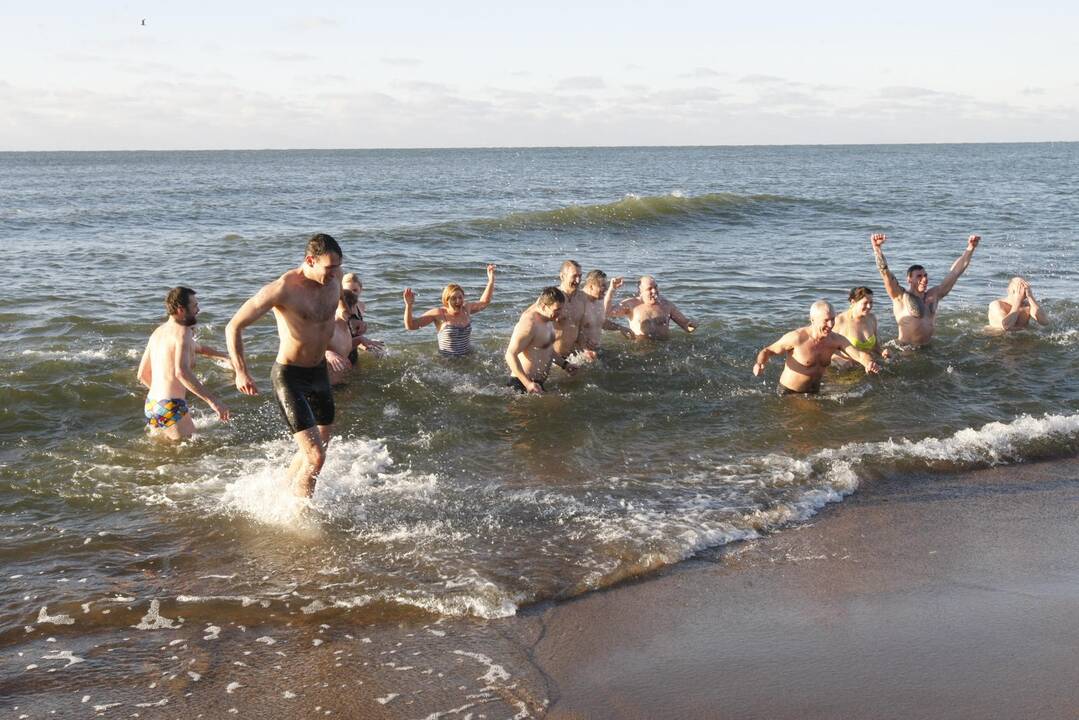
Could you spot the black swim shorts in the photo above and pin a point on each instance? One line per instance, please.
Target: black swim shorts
(519, 387)
(303, 394)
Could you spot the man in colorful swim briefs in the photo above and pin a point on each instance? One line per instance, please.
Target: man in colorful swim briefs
(915, 307)
(809, 351)
(167, 369)
(531, 349)
(304, 301)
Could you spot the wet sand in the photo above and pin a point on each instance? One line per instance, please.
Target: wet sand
(931, 597)
(918, 597)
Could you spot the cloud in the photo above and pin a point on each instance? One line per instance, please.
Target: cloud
(701, 72)
(289, 57)
(582, 82)
(402, 61)
(763, 80)
(311, 23)
(1029, 91)
(423, 86)
(906, 92)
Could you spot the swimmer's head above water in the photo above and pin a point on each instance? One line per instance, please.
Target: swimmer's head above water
(182, 306)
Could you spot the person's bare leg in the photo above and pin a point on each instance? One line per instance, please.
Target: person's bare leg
(310, 457)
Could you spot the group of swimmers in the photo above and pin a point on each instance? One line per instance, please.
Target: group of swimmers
(321, 331)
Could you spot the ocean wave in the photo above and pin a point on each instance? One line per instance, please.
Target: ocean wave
(402, 539)
(643, 210)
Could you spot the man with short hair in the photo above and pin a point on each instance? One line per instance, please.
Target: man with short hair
(598, 294)
(650, 313)
(304, 301)
(568, 325)
(167, 369)
(531, 350)
(809, 351)
(915, 308)
(1015, 310)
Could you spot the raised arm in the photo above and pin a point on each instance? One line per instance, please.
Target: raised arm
(1036, 310)
(187, 377)
(488, 292)
(415, 323)
(958, 268)
(891, 285)
(520, 341)
(783, 345)
(608, 298)
(257, 306)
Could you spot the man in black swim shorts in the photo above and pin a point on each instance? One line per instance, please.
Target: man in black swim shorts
(304, 301)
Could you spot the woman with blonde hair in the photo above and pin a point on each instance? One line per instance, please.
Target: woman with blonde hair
(859, 325)
(453, 320)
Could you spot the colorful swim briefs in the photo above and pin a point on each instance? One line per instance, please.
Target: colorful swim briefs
(164, 413)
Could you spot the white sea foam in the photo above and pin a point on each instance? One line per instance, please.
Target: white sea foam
(67, 655)
(153, 620)
(44, 617)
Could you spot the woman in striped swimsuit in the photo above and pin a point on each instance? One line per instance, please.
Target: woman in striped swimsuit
(454, 319)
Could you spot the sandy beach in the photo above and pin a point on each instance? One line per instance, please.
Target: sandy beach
(947, 596)
(932, 597)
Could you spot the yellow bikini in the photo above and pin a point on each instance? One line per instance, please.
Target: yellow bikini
(865, 345)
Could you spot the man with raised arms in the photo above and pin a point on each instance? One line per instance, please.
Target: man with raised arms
(531, 350)
(167, 369)
(915, 308)
(568, 325)
(304, 301)
(1015, 311)
(650, 313)
(809, 351)
(599, 294)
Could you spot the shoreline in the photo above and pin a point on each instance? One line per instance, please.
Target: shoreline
(933, 596)
(940, 596)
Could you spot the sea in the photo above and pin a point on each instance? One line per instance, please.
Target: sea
(445, 495)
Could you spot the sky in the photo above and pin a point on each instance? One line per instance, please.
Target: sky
(323, 74)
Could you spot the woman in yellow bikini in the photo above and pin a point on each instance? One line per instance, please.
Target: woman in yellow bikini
(859, 325)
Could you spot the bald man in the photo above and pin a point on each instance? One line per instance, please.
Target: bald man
(809, 351)
(1017, 309)
(650, 313)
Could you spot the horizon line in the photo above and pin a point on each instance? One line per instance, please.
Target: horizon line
(547, 147)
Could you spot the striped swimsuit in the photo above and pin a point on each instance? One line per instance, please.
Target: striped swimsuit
(454, 341)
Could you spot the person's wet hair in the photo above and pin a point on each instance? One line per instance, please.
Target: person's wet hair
(320, 244)
(858, 293)
(595, 278)
(570, 264)
(912, 268)
(448, 291)
(551, 296)
(178, 297)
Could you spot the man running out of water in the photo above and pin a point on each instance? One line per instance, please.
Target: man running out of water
(304, 301)
(650, 313)
(167, 369)
(531, 350)
(809, 351)
(915, 307)
(1017, 308)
